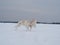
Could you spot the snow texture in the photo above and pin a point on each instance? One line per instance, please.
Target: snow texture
(43, 34)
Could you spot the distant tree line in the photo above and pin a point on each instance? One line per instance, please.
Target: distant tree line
(37, 22)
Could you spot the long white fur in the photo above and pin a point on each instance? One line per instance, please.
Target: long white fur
(29, 24)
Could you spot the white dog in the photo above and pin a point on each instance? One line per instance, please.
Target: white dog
(26, 23)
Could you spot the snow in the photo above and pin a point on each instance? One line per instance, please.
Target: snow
(43, 34)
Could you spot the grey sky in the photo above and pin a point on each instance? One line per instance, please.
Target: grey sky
(42, 10)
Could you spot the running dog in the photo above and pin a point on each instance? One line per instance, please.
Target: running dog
(28, 24)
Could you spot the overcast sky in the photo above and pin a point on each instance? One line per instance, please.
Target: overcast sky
(42, 10)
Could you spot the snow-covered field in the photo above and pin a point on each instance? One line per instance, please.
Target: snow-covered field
(43, 34)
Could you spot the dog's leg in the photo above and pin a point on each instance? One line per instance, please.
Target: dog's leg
(27, 28)
(17, 26)
(30, 28)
